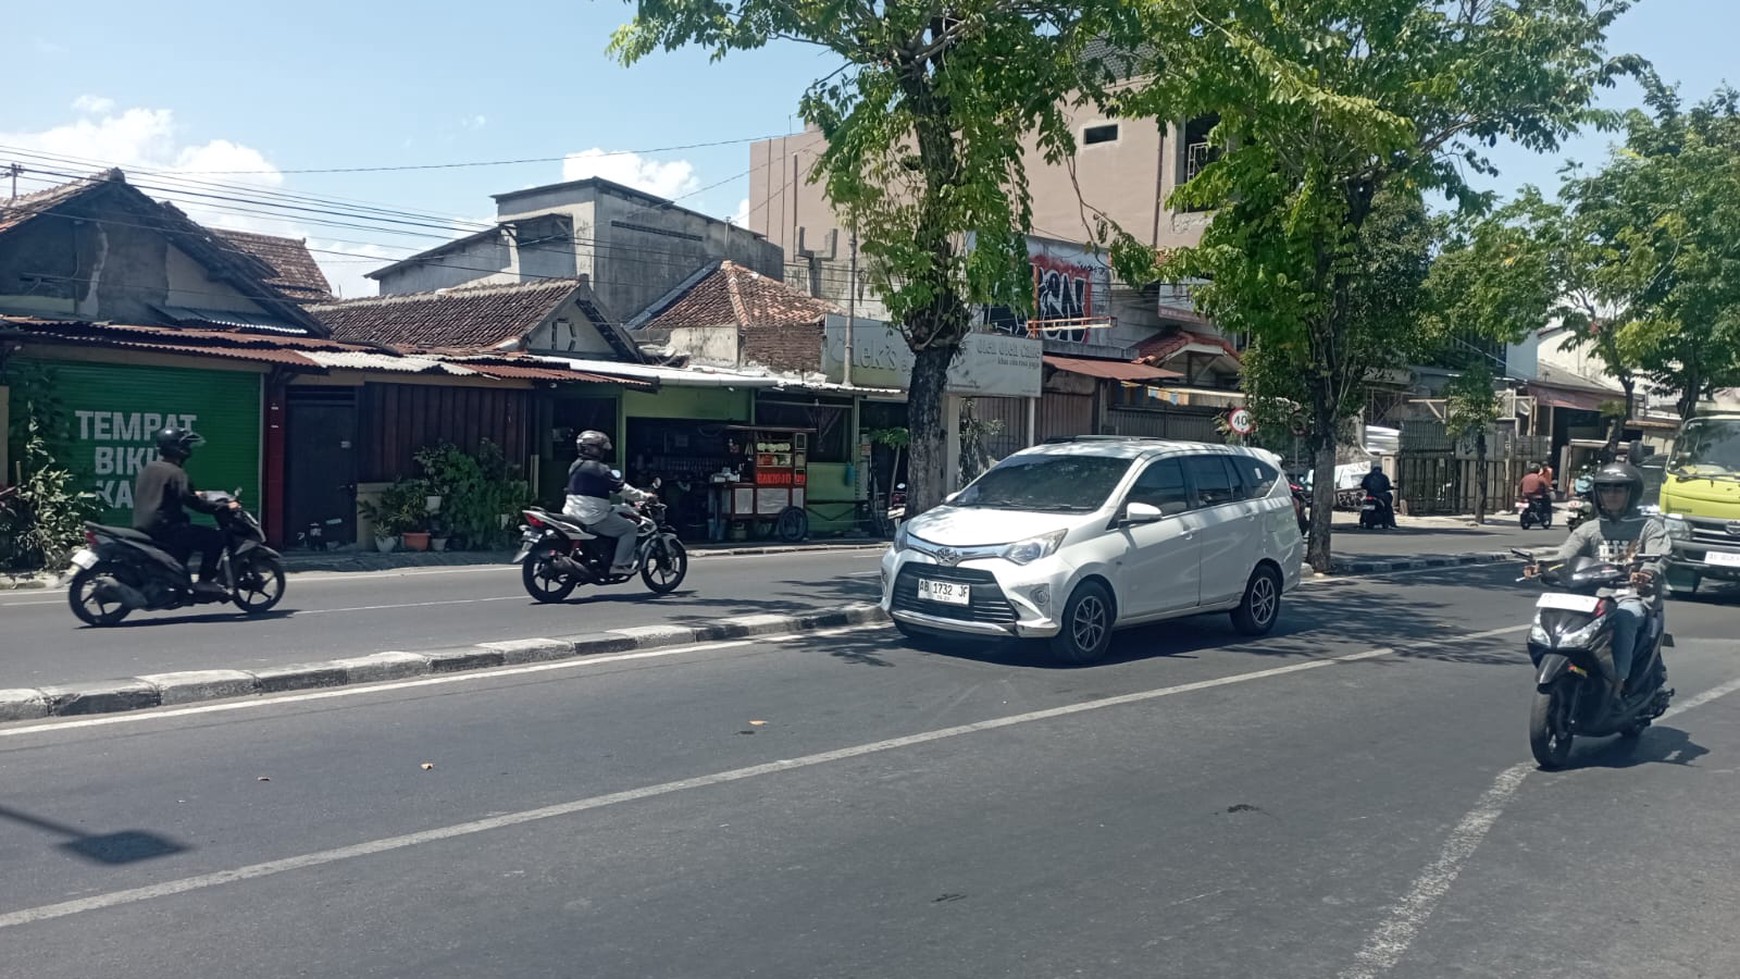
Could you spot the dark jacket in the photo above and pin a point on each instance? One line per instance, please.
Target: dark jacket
(589, 477)
(162, 495)
(1375, 482)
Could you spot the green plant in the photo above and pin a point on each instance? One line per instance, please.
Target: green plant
(43, 522)
(475, 490)
(402, 508)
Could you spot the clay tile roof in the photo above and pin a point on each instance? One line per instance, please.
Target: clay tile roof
(737, 296)
(298, 276)
(26, 206)
(458, 319)
(1157, 350)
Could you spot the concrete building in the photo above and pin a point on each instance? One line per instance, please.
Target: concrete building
(631, 246)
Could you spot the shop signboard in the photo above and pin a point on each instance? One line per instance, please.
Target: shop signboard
(989, 365)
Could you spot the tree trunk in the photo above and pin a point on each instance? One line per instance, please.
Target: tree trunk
(926, 474)
(1480, 474)
(1322, 499)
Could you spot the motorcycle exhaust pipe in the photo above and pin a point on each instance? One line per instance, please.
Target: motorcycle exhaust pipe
(569, 566)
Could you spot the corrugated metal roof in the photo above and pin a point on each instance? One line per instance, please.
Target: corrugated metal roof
(363, 360)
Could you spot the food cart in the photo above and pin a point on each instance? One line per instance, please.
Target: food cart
(764, 496)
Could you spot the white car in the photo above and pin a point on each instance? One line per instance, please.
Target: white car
(1070, 541)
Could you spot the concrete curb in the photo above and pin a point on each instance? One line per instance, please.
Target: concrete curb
(176, 689)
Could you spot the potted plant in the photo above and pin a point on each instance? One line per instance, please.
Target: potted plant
(386, 521)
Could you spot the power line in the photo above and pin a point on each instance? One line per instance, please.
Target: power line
(498, 163)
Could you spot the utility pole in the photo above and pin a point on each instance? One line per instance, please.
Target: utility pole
(13, 170)
(851, 306)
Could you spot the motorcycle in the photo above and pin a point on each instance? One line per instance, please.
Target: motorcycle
(557, 554)
(1577, 691)
(1374, 514)
(1537, 510)
(121, 570)
(1577, 512)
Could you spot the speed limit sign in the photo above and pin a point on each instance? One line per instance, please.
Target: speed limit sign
(1241, 421)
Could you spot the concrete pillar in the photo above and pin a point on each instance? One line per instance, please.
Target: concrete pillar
(1032, 421)
(951, 412)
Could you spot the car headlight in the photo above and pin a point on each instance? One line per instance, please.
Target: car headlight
(1034, 548)
(1678, 527)
(900, 539)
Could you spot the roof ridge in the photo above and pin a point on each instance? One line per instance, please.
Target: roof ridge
(458, 292)
(735, 294)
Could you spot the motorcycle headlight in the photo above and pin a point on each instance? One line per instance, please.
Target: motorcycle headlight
(1032, 549)
(1538, 635)
(1678, 527)
(1584, 636)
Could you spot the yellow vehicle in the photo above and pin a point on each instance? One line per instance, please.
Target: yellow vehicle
(1700, 496)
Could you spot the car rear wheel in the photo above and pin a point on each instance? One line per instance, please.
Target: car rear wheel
(1087, 626)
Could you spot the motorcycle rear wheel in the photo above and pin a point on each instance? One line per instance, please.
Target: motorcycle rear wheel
(91, 610)
(1549, 726)
(542, 582)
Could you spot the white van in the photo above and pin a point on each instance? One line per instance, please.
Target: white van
(1072, 540)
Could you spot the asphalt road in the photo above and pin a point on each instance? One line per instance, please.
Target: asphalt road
(325, 616)
(843, 806)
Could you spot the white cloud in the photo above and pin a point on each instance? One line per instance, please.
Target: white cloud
(93, 105)
(741, 217)
(475, 122)
(662, 178)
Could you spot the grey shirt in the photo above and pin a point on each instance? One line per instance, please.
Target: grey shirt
(1632, 535)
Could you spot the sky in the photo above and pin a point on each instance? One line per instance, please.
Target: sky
(246, 99)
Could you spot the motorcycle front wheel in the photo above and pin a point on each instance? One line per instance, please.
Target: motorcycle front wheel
(259, 585)
(90, 609)
(543, 582)
(666, 565)
(1550, 725)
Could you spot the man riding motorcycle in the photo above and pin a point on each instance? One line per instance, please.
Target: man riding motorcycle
(163, 494)
(590, 485)
(1377, 483)
(1622, 532)
(1536, 489)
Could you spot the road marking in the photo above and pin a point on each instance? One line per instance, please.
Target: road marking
(1396, 935)
(320, 858)
(378, 608)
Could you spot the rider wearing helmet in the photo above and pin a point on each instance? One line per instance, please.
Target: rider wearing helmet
(590, 485)
(1377, 483)
(1622, 532)
(163, 494)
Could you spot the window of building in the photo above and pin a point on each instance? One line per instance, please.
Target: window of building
(1198, 151)
(1104, 133)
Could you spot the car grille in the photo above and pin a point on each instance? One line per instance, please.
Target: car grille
(989, 605)
(1713, 532)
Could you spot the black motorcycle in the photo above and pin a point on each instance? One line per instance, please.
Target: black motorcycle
(122, 570)
(1535, 510)
(1376, 512)
(1578, 692)
(1301, 505)
(557, 554)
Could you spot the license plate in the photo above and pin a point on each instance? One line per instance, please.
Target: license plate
(1567, 602)
(85, 558)
(945, 592)
(1722, 559)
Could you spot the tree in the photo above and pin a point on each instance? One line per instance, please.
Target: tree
(925, 124)
(1322, 104)
(1492, 280)
(1663, 221)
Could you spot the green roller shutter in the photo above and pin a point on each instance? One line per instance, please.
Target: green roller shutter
(115, 409)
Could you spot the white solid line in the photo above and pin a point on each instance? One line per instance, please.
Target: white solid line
(304, 861)
(377, 608)
(1392, 939)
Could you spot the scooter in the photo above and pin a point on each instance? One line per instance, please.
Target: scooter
(1536, 510)
(557, 554)
(1375, 513)
(121, 570)
(1578, 693)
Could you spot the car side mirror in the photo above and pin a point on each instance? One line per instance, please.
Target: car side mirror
(1142, 513)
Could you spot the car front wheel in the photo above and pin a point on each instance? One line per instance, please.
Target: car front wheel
(1087, 626)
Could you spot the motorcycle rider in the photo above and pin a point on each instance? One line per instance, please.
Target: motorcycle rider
(1621, 532)
(162, 495)
(1377, 483)
(590, 484)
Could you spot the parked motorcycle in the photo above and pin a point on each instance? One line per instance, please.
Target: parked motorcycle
(1578, 692)
(557, 554)
(122, 570)
(1536, 510)
(1301, 504)
(1375, 513)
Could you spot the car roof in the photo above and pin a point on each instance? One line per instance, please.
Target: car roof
(1134, 447)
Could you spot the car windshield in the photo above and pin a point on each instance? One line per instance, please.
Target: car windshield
(1708, 447)
(1046, 482)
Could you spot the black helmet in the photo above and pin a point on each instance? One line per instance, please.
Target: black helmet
(592, 444)
(177, 444)
(1619, 474)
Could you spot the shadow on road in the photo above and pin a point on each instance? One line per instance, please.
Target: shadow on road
(126, 846)
(1658, 745)
(145, 620)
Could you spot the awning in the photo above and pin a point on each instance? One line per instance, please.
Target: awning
(1117, 370)
(1577, 400)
